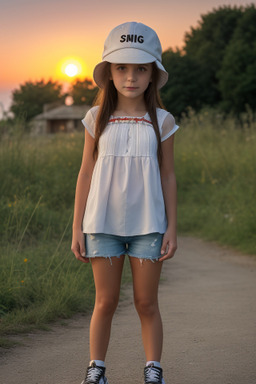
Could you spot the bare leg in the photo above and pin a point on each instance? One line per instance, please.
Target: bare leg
(145, 285)
(107, 279)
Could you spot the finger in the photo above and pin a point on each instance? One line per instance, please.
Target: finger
(80, 257)
(84, 259)
(82, 251)
(164, 247)
(80, 254)
(169, 254)
(76, 252)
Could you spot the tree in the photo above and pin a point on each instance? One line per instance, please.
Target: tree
(217, 65)
(29, 99)
(184, 85)
(237, 76)
(83, 92)
(206, 45)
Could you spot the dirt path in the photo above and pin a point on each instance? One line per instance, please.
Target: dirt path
(208, 305)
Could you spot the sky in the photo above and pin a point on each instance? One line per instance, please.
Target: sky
(37, 37)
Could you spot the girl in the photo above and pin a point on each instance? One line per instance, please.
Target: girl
(126, 191)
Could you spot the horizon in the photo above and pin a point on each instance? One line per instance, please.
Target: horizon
(38, 37)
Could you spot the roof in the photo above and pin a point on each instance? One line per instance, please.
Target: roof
(64, 112)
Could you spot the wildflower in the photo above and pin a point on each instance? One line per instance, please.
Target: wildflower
(229, 217)
(25, 260)
(22, 281)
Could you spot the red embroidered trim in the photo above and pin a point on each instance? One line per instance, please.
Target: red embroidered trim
(136, 119)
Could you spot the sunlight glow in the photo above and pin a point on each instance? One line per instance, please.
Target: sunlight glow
(71, 70)
(70, 67)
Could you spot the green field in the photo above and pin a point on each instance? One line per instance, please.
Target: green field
(40, 279)
(216, 174)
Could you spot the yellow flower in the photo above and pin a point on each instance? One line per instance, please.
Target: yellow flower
(22, 281)
(25, 260)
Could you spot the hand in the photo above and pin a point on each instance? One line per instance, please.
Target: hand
(78, 246)
(169, 245)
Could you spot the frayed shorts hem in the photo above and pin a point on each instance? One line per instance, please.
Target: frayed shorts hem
(104, 256)
(141, 259)
(125, 254)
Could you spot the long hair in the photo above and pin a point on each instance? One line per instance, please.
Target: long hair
(153, 101)
(107, 101)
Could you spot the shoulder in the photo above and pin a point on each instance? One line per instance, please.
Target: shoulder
(161, 112)
(92, 113)
(163, 117)
(90, 119)
(166, 122)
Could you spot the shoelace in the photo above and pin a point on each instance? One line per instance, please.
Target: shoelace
(153, 374)
(93, 374)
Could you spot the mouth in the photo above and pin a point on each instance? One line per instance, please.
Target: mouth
(131, 88)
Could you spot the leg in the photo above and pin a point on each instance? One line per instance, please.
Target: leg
(107, 279)
(146, 277)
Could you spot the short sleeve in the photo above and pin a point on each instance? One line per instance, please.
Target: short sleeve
(89, 121)
(169, 127)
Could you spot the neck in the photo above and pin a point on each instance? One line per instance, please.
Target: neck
(131, 107)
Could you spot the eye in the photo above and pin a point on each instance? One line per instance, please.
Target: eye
(142, 68)
(120, 67)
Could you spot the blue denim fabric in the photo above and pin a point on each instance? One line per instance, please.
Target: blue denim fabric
(142, 246)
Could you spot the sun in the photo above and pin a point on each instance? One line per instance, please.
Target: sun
(70, 67)
(71, 70)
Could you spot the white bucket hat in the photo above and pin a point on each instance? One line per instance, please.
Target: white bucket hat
(131, 43)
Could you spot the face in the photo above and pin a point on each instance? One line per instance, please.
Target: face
(131, 80)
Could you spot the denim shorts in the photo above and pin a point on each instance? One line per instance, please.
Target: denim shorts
(142, 246)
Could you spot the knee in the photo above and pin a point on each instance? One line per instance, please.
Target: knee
(146, 307)
(106, 305)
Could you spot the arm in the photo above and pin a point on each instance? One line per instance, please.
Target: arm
(82, 191)
(168, 180)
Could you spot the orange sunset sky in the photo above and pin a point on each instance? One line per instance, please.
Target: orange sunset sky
(36, 37)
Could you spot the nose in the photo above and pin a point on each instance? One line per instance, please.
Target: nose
(131, 74)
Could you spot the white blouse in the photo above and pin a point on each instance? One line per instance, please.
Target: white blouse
(125, 196)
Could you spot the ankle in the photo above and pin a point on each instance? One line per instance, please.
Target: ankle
(155, 363)
(99, 363)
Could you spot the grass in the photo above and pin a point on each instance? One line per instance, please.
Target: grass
(40, 279)
(42, 284)
(216, 168)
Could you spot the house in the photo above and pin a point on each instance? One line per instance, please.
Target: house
(59, 118)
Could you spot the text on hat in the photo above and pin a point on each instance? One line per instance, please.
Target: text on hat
(132, 39)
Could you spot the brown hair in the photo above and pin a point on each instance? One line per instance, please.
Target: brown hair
(107, 101)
